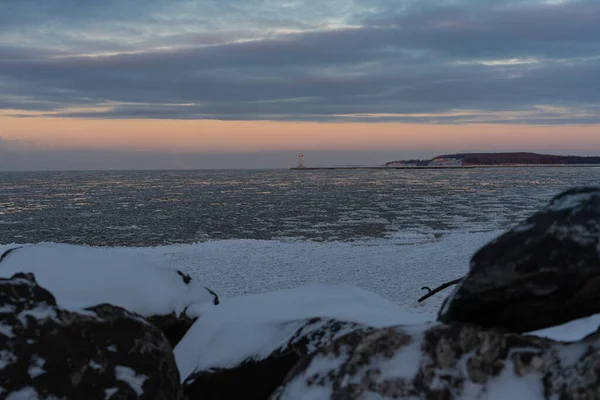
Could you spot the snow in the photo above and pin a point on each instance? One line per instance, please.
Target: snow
(7, 309)
(572, 330)
(109, 392)
(27, 393)
(573, 201)
(255, 325)
(509, 385)
(80, 277)
(395, 268)
(36, 369)
(41, 312)
(6, 330)
(127, 375)
(267, 288)
(94, 365)
(405, 362)
(6, 358)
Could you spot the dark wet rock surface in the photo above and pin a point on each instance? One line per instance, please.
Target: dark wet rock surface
(103, 352)
(544, 272)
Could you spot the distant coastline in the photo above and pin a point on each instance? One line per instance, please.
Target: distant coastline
(496, 159)
(477, 160)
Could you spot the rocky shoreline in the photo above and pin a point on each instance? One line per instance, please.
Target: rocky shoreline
(318, 342)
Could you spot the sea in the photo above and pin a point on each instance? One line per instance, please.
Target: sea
(251, 231)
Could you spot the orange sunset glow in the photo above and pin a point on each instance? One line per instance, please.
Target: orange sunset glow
(250, 136)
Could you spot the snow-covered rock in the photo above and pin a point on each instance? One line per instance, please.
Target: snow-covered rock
(255, 340)
(446, 362)
(257, 378)
(81, 277)
(544, 272)
(570, 331)
(102, 352)
(253, 327)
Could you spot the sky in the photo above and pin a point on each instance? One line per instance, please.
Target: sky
(117, 84)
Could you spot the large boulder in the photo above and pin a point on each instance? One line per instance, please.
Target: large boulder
(544, 272)
(255, 340)
(257, 378)
(446, 362)
(102, 352)
(80, 277)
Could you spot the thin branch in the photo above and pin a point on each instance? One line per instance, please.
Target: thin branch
(8, 251)
(215, 296)
(438, 289)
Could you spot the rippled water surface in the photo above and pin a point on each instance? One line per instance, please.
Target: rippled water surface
(146, 208)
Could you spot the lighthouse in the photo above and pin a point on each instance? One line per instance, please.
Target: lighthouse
(300, 160)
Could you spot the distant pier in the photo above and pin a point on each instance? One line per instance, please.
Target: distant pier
(395, 167)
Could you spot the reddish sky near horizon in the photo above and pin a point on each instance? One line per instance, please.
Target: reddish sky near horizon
(265, 136)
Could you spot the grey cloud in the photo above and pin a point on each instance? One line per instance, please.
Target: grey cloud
(419, 60)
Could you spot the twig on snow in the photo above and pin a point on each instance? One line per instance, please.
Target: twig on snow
(431, 292)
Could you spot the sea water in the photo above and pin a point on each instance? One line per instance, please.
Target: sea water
(389, 231)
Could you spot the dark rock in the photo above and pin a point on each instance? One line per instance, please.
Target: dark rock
(215, 296)
(176, 326)
(446, 362)
(252, 380)
(542, 273)
(186, 278)
(173, 327)
(256, 378)
(103, 352)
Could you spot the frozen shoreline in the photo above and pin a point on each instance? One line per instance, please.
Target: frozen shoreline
(395, 269)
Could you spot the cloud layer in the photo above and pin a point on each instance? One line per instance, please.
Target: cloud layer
(535, 62)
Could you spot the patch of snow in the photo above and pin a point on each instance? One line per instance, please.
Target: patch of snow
(7, 309)
(571, 201)
(112, 348)
(405, 362)
(523, 227)
(578, 233)
(108, 393)
(299, 390)
(94, 365)
(389, 267)
(81, 277)
(128, 375)
(38, 313)
(570, 331)
(509, 385)
(6, 330)
(571, 354)
(36, 369)
(255, 325)
(27, 393)
(6, 358)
